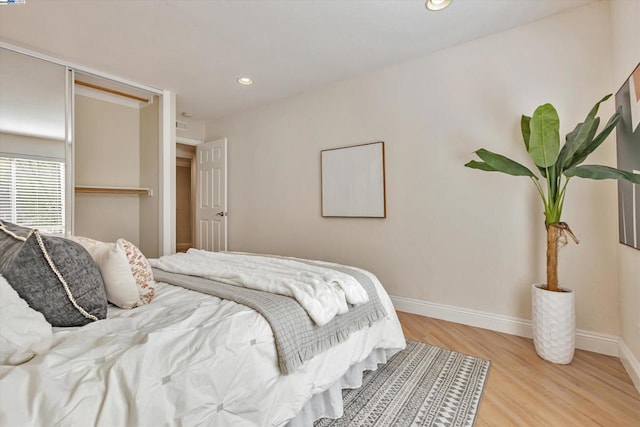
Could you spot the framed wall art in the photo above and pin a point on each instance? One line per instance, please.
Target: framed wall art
(628, 139)
(353, 181)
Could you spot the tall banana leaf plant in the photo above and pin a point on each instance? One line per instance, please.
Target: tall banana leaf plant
(558, 166)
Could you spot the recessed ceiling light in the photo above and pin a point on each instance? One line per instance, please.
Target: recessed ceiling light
(437, 4)
(245, 81)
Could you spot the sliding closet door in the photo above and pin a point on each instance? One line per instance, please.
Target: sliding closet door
(120, 138)
(150, 147)
(34, 132)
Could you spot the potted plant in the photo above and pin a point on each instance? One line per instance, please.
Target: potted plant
(553, 307)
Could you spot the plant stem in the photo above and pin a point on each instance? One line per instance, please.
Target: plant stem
(562, 193)
(549, 193)
(539, 188)
(553, 234)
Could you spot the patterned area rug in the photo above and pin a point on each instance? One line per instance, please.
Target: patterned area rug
(422, 385)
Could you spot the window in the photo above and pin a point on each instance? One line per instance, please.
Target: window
(32, 193)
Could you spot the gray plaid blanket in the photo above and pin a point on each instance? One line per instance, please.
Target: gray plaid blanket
(297, 337)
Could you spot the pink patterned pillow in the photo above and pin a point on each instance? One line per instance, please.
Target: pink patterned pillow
(141, 270)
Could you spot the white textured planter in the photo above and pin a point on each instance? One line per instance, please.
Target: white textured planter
(554, 324)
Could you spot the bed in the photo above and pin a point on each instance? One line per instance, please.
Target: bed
(187, 358)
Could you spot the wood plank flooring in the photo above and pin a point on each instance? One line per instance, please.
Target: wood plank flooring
(524, 390)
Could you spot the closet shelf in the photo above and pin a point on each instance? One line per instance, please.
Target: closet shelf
(114, 190)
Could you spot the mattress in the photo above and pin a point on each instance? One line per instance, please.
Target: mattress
(186, 359)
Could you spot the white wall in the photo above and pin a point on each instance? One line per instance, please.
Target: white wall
(195, 128)
(625, 19)
(453, 235)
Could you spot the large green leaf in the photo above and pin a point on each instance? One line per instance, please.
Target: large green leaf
(503, 164)
(588, 148)
(602, 172)
(544, 140)
(567, 154)
(571, 136)
(580, 136)
(474, 164)
(524, 126)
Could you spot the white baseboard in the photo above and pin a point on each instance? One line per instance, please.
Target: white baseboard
(585, 340)
(631, 364)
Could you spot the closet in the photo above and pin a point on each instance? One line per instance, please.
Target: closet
(104, 136)
(116, 159)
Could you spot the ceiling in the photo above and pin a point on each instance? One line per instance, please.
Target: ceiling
(199, 48)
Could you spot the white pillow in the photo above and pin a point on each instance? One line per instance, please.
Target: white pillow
(119, 282)
(24, 332)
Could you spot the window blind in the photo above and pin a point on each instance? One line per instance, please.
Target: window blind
(32, 193)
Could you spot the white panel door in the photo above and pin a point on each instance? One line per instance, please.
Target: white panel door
(211, 198)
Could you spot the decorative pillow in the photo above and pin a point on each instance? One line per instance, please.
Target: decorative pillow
(87, 242)
(55, 276)
(121, 286)
(141, 270)
(24, 332)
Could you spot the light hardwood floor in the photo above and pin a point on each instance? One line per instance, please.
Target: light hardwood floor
(524, 390)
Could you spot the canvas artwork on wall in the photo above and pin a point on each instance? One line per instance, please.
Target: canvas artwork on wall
(628, 137)
(353, 181)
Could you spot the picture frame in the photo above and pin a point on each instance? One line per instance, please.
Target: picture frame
(353, 181)
(628, 158)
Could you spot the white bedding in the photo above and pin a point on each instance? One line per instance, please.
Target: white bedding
(186, 359)
(322, 292)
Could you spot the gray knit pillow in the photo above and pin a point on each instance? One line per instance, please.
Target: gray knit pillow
(24, 264)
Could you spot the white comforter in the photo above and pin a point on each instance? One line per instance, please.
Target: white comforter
(186, 359)
(322, 292)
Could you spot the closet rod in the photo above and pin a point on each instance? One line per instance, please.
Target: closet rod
(112, 91)
(114, 190)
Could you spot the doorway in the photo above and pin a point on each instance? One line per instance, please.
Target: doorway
(185, 197)
(211, 195)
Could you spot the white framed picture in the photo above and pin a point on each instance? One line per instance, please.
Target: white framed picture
(628, 140)
(353, 181)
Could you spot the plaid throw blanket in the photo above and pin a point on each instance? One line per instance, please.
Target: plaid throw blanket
(297, 337)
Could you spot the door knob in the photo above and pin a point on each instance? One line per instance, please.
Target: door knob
(221, 214)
